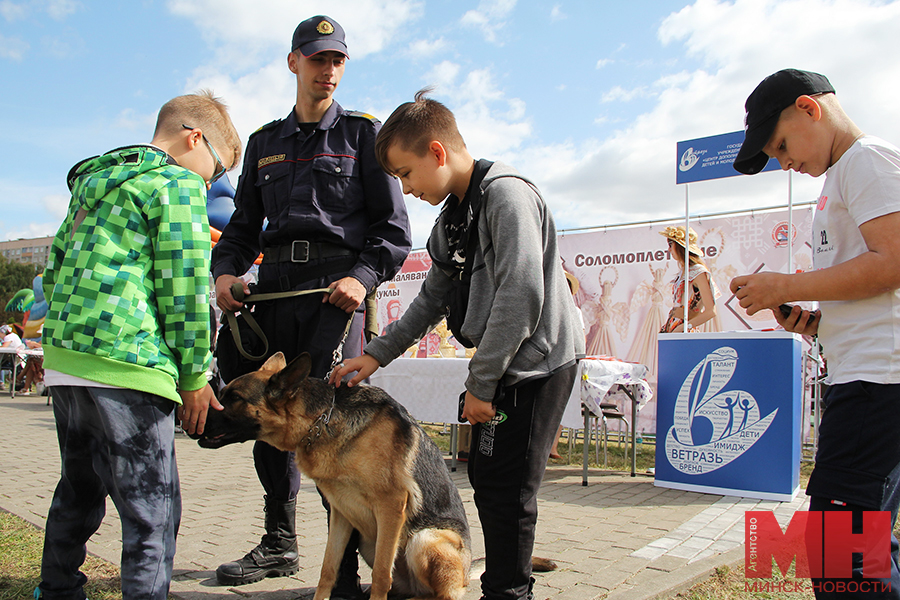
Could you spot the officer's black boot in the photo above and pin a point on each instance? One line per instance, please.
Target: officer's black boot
(276, 554)
(347, 586)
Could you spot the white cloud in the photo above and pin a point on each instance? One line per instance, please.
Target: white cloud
(57, 205)
(557, 14)
(620, 94)
(423, 49)
(443, 75)
(12, 11)
(18, 220)
(12, 48)
(489, 17)
(131, 120)
(630, 176)
(243, 32)
(56, 9)
(603, 62)
(60, 9)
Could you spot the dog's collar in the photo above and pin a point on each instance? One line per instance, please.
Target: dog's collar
(320, 424)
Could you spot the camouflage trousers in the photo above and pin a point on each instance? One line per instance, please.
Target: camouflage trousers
(119, 443)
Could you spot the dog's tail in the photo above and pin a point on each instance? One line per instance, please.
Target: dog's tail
(542, 565)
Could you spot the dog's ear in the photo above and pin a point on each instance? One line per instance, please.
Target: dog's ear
(274, 364)
(292, 375)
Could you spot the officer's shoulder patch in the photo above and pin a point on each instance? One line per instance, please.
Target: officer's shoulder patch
(361, 115)
(268, 125)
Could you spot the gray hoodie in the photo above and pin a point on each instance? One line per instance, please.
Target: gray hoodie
(521, 315)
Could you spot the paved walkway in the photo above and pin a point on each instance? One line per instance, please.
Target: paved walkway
(619, 538)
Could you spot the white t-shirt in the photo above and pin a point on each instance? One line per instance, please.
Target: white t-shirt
(12, 340)
(861, 338)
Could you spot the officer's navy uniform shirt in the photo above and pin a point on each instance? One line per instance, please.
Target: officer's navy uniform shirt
(324, 187)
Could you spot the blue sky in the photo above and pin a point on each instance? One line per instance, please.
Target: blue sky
(588, 97)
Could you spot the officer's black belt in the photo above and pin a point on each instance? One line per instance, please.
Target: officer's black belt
(305, 273)
(302, 251)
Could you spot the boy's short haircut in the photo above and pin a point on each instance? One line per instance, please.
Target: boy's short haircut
(205, 111)
(414, 125)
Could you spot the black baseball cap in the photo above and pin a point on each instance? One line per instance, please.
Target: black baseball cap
(318, 34)
(774, 94)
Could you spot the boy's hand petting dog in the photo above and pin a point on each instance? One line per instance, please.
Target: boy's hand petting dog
(363, 365)
(195, 405)
(478, 411)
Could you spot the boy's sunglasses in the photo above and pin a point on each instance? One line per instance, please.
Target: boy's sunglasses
(220, 168)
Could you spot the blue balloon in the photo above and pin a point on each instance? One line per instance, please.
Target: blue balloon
(220, 203)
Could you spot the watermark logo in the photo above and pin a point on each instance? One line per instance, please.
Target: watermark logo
(819, 545)
(713, 425)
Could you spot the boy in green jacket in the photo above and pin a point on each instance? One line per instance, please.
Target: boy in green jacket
(126, 341)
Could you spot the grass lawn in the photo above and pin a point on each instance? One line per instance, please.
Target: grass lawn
(20, 563)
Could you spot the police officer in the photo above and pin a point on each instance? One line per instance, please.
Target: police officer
(335, 219)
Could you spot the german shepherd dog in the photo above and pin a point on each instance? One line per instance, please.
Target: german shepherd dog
(378, 469)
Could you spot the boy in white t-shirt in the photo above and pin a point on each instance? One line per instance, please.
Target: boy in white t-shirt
(794, 117)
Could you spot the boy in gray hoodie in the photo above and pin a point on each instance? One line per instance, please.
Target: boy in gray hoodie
(497, 276)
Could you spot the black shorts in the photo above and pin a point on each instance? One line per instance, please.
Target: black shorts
(859, 445)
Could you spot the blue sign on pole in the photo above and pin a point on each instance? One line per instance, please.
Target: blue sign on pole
(711, 158)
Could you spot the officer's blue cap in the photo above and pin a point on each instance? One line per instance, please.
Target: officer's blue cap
(318, 34)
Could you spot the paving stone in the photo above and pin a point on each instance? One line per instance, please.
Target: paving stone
(620, 538)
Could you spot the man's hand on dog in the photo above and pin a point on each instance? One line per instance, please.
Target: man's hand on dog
(477, 411)
(194, 407)
(348, 293)
(363, 365)
(224, 299)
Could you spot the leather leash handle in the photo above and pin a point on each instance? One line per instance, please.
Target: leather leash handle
(237, 292)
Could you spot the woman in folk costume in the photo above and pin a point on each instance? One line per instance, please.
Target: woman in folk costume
(702, 305)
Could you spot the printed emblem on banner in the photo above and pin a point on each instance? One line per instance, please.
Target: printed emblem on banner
(704, 400)
(688, 160)
(780, 235)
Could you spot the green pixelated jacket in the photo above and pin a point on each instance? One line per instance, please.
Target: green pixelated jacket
(128, 286)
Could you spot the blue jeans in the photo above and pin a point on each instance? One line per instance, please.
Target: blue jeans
(119, 443)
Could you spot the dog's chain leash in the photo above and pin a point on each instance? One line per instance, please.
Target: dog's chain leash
(319, 425)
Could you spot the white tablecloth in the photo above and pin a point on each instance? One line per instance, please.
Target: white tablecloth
(601, 378)
(429, 388)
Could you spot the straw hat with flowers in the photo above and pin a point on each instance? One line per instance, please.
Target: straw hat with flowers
(676, 234)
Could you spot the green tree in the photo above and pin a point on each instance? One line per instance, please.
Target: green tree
(14, 276)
